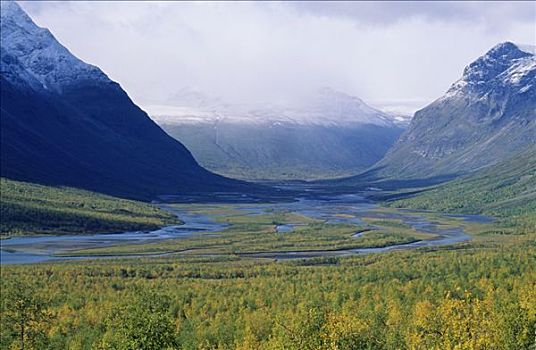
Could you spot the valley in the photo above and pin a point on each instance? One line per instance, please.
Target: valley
(331, 135)
(297, 216)
(306, 227)
(343, 269)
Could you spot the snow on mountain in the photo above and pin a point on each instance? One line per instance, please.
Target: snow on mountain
(399, 118)
(326, 134)
(331, 106)
(505, 66)
(487, 116)
(47, 63)
(325, 107)
(64, 123)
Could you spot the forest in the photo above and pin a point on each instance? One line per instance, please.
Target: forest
(475, 295)
(506, 190)
(31, 209)
(478, 294)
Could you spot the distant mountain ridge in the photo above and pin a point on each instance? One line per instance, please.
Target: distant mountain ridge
(324, 107)
(485, 117)
(64, 122)
(328, 134)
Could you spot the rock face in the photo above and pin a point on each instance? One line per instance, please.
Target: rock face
(64, 122)
(328, 134)
(485, 117)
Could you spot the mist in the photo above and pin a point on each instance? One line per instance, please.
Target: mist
(400, 56)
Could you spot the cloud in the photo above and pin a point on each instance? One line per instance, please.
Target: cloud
(492, 14)
(270, 51)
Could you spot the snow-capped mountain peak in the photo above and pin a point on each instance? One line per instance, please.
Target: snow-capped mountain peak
(344, 108)
(494, 62)
(47, 64)
(505, 66)
(10, 10)
(325, 107)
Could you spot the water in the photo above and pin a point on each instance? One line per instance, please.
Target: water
(478, 219)
(284, 228)
(22, 250)
(347, 209)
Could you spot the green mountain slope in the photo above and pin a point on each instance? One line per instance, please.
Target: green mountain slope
(285, 151)
(27, 208)
(506, 190)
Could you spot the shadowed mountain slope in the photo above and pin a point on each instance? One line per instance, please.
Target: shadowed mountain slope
(64, 122)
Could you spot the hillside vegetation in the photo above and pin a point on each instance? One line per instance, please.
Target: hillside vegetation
(475, 295)
(437, 299)
(285, 151)
(35, 209)
(506, 190)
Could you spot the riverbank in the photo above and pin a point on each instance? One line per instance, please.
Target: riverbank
(324, 226)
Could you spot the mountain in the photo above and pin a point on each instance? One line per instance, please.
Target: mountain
(64, 122)
(485, 117)
(506, 189)
(328, 134)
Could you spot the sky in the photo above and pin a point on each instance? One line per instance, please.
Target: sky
(394, 55)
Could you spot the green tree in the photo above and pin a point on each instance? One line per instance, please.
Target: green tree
(25, 316)
(142, 323)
